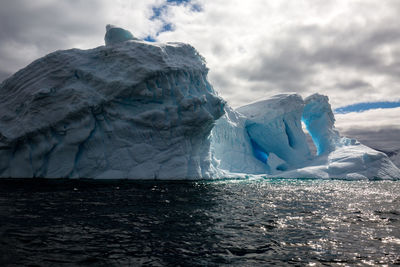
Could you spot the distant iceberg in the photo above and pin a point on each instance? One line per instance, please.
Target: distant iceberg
(140, 110)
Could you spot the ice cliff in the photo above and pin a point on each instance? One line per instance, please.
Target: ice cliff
(141, 110)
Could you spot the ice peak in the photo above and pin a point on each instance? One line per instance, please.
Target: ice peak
(116, 35)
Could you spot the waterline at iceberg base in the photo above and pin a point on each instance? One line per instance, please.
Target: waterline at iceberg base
(142, 110)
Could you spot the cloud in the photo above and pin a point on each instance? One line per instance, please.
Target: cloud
(4, 75)
(31, 29)
(353, 84)
(384, 139)
(373, 120)
(345, 49)
(348, 50)
(378, 128)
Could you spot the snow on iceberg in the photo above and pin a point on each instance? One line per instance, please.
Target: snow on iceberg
(274, 126)
(273, 129)
(264, 137)
(231, 147)
(140, 110)
(130, 110)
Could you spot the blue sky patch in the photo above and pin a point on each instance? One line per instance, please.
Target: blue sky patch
(167, 25)
(366, 106)
(178, 2)
(148, 38)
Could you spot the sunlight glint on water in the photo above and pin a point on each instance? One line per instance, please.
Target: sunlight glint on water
(229, 222)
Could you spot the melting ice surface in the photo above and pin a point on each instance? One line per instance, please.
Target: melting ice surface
(140, 110)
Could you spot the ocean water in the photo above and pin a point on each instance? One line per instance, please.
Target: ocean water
(212, 223)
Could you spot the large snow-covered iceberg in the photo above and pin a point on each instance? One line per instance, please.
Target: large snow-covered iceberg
(128, 109)
(141, 110)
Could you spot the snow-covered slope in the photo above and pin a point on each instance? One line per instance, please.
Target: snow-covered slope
(140, 110)
(131, 109)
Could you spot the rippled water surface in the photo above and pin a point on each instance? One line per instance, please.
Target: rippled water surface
(234, 222)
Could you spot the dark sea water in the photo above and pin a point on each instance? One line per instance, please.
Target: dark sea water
(231, 222)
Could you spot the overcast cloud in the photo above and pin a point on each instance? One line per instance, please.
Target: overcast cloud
(32, 29)
(349, 50)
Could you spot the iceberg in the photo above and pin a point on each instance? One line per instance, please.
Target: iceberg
(142, 110)
(272, 130)
(130, 109)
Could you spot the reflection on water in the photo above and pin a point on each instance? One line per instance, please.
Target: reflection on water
(233, 222)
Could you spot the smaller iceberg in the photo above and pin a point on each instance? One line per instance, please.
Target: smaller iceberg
(266, 138)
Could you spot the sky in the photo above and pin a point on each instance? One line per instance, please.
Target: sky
(348, 50)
